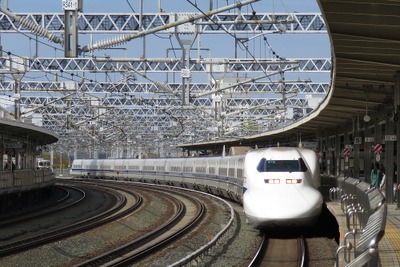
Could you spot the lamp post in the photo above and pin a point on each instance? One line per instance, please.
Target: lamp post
(60, 164)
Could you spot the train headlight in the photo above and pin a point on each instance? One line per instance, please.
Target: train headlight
(293, 181)
(272, 181)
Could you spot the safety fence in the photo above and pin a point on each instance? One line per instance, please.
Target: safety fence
(366, 213)
(24, 178)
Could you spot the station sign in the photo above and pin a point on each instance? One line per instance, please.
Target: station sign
(186, 73)
(72, 4)
(369, 139)
(12, 145)
(390, 138)
(309, 144)
(357, 140)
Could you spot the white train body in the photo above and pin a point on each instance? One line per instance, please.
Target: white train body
(225, 176)
(217, 175)
(280, 187)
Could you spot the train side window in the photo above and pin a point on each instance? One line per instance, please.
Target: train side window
(303, 166)
(262, 165)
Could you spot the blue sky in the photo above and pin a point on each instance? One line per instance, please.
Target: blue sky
(102, 6)
(288, 46)
(285, 45)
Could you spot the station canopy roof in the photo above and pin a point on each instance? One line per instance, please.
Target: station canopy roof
(365, 43)
(23, 131)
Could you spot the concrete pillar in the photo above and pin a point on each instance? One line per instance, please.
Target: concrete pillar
(52, 159)
(2, 152)
(347, 164)
(357, 161)
(1, 159)
(388, 162)
(397, 123)
(397, 166)
(367, 153)
(327, 154)
(338, 155)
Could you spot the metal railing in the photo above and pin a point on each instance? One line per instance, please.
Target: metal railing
(366, 213)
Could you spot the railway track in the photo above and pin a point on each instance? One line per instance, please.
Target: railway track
(189, 212)
(180, 241)
(69, 197)
(117, 210)
(281, 253)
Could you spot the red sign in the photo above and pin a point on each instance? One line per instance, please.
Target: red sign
(346, 152)
(377, 148)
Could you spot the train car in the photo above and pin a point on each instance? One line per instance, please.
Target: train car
(43, 164)
(281, 187)
(243, 178)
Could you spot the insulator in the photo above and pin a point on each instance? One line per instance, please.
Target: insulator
(108, 43)
(36, 29)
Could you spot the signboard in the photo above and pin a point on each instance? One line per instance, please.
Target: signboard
(390, 138)
(185, 73)
(369, 139)
(310, 144)
(13, 145)
(357, 140)
(377, 149)
(70, 4)
(346, 152)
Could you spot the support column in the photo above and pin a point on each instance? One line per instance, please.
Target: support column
(378, 134)
(2, 152)
(347, 165)
(19, 68)
(52, 159)
(327, 154)
(338, 154)
(397, 123)
(186, 46)
(333, 154)
(388, 163)
(357, 162)
(71, 27)
(368, 140)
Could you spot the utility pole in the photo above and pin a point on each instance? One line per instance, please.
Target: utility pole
(71, 9)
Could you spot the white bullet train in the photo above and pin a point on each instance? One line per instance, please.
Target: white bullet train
(278, 186)
(281, 187)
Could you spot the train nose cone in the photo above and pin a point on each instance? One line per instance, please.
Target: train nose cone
(281, 205)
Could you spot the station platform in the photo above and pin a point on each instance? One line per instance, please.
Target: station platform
(389, 246)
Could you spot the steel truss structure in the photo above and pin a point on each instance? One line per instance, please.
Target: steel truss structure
(228, 97)
(129, 23)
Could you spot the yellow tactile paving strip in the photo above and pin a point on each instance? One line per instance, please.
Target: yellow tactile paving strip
(389, 246)
(336, 210)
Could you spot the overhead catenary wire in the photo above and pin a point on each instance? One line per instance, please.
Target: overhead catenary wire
(125, 38)
(33, 27)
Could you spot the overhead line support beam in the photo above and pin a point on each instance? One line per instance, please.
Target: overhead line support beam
(125, 38)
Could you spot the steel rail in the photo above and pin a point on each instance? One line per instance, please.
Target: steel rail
(60, 204)
(87, 224)
(272, 251)
(132, 251)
